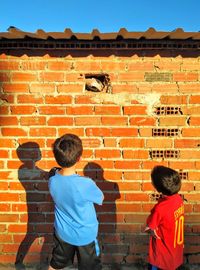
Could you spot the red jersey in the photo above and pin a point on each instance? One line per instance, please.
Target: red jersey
(167, 219)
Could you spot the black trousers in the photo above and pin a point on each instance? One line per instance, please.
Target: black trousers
(63, 254)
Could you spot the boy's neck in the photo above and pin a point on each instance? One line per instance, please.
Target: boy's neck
(68, 171)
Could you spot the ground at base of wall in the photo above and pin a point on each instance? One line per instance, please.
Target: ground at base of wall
(105, 267)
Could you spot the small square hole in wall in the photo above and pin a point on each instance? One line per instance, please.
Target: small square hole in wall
(98, 82)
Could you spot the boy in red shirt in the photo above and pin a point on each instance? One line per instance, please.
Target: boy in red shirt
(166, 221)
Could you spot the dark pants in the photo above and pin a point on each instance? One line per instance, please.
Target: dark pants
(63, 255)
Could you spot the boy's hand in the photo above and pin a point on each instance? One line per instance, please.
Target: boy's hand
(53, 171)
(153, 233)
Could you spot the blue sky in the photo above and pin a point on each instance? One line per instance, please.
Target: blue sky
(105, 15)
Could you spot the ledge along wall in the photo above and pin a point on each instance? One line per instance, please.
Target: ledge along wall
(149, 116)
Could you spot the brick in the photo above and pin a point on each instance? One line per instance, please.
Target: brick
(190, 132)
(106, 110)
(42, 88)
(176, 100)
(98, 132)
(8, 121)
(133, 142)
(60, 65)
(23, 77)
(115, 121)
(158, 76)
(142, 121)
(121, 132)
(141, 66)
(187, 154)
(107, 153)
(135, 154)
(186, 143)
(172, 121)
(52, 110)
(7, 98)
(33, 65)
(159, 143)
(76, 131)
(9, 65)
(111, 66)
(134, 197)
(185, 77)
(60, 99)
(194, 99)
(84, 99)
(15, 87)
(81, 110)
(135, 110)
(23, 109)
(122, 87)
(60, 121)
(4, 77)
(13, 132)
(182, 165)
(3, 154)
(29, 99)
(127, 164)
(110, 142)
(33, 121)
(168, 65)
(70, 88)
(194, 110)
(87, 121)
(87, 65)
(189, 88)
(52, 76)
(125, 207)
(131, 76)
(4, 110)
(43, 132)
(171, 88)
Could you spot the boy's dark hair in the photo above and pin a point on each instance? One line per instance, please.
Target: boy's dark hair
(166, 180)
(67, 150)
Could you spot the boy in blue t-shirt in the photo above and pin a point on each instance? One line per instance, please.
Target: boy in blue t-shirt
(76, 225)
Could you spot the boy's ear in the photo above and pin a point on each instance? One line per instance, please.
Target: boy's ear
(79, 159)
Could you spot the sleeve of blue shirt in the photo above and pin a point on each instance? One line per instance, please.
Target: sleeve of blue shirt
(92, 192)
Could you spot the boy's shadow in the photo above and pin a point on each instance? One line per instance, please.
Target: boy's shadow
(39, 205)
(107, 212)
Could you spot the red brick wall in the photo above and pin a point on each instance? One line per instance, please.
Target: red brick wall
(151, 117)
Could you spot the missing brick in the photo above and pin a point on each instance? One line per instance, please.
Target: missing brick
(98, 82)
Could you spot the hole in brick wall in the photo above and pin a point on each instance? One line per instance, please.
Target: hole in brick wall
(164, 154)
(183, 175)
(168, 110)
(155, 196)
(163, 132)
(98, 82)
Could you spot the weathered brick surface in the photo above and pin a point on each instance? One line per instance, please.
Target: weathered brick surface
(44, 97)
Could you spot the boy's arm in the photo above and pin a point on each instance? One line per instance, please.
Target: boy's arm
(153, 233)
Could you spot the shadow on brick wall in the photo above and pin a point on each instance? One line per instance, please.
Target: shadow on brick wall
(107, 212)
(39, 207)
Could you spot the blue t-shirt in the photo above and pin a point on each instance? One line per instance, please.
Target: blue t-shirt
(75, 216)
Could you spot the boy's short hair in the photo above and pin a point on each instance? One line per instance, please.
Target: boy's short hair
(166, 180)
(67, 150)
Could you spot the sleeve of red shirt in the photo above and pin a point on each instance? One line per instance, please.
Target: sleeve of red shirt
(153, 219)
